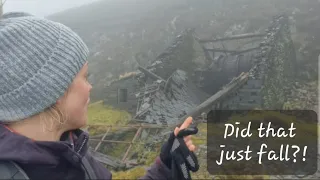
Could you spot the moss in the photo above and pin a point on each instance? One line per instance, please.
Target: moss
(280, 73)
(101, 114)
(151, 157)
(148, 157)
(133, 173)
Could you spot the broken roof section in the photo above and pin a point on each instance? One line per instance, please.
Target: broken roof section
(159, 104)
(169, 91)
(185, 54)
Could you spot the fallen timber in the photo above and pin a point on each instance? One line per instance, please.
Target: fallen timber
(240, 36)
(108, 160)
(233, 52)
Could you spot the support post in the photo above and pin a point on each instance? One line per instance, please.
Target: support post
(102, 139)
(129, 148)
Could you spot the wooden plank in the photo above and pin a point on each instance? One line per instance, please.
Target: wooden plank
(104, 136)
(129, 148)
(168, 82)
(233, 52)
(220, 50)
(150, 74)
(138, 105)
(244, 51)
(240, 36)
(140, 113)
(105, 159)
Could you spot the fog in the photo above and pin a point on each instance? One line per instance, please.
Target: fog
(42, 8)
(159, 61)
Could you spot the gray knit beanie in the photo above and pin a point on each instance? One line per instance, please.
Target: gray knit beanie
(39, 59)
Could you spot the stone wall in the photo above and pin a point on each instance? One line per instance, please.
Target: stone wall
(279, 66)
(272, 77)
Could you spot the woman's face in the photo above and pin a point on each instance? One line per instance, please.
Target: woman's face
(75, 102)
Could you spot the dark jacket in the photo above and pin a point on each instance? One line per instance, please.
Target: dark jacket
(60, 160)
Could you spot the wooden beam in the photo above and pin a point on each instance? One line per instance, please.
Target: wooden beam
(150, 74)
(168, 82)
(233, 52)
(220, 50)
(206, 53)
(133, 140)
(240, 36)
(244, 51)
(104, 136)
(105, 159)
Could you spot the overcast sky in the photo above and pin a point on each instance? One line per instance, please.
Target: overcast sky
(42, 7)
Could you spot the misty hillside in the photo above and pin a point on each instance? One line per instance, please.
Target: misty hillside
(116, 31)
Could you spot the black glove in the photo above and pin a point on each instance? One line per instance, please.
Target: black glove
(183, 160)
(165, 154)
(176, 155)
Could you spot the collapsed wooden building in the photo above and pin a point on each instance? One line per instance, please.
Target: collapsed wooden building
(195, 75)
(192, 69)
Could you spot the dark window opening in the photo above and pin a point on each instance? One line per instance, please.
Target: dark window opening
(123, 95)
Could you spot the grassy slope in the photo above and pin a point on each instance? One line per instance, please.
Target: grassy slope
(107, 115)
(101, 114)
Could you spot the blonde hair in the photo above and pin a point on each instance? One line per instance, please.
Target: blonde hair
(53, 116)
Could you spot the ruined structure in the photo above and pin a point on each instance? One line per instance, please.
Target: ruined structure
(194, 76)
(179, 82)
(271, 76)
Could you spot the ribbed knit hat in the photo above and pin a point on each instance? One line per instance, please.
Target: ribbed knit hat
(39, 59)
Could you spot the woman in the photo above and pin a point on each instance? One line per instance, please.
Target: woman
(44, 95)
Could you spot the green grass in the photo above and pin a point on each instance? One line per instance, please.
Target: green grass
(133, 173)
(99, 116)
(102, 114)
